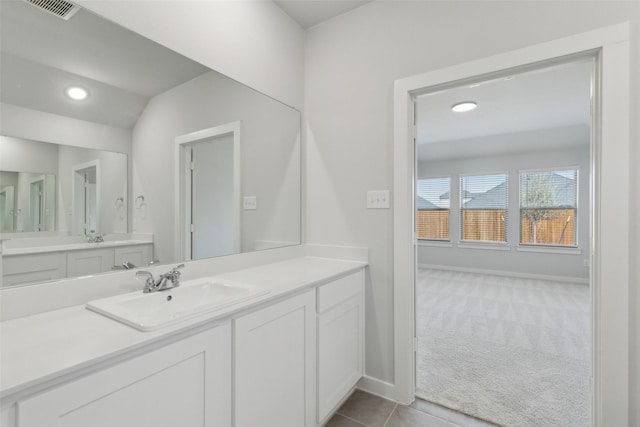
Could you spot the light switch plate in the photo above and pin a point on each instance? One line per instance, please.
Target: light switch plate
(250, 203)
(378, 199)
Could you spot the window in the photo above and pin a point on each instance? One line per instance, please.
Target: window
(432, 208)
(548, 207)
(483, 208)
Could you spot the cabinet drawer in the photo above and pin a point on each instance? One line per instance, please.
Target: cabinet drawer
(19, 269)
(339, 290)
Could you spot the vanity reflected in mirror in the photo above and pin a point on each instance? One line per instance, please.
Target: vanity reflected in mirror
(131, 174)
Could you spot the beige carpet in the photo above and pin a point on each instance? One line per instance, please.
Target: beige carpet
(512, 351)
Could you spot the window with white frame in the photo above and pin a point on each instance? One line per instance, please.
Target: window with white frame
(549, 207)
(432, 208)
(483, 208)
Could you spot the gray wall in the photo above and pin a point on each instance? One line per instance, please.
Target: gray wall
(553, 264)
(351, 63)
(269, 152)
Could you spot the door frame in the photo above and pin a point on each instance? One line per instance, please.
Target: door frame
(182, 197)
(42, 204)
(609, 222)
(74, 169)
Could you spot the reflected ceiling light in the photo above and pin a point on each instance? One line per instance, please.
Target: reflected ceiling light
(77, 93)
(461, 107)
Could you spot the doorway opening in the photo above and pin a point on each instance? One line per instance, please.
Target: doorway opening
(36, 204)
(502, 221)
(86, 198)
(208, 192)
(609, 262)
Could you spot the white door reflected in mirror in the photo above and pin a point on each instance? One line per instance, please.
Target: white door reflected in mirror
(208, 192)
(85, 198)
(212, 197)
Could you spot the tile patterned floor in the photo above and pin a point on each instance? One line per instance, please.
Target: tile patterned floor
(366, 410)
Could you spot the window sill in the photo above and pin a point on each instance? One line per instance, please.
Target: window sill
(549, 250)
(486, 246)
(435, 243)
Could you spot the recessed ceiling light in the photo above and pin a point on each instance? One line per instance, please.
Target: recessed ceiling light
(77, 93)
(461, 107)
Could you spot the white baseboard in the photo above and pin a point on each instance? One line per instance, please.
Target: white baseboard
(508, 273)
(379, 388)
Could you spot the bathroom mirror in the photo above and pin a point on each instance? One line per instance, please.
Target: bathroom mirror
(27, 201)
(60, 189)
(141, 99)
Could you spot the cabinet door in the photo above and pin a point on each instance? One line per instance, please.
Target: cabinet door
(18, 269)
(186, 383)
(139, 255)
(340, 341)
(80, 263)
(275, 365)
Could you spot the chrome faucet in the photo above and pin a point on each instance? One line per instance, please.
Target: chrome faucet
(95, 238)
(162, 283)
(128, 265)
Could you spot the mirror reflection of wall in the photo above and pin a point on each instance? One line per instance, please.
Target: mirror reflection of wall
(7, 202)
(40, 176)
(141, 96)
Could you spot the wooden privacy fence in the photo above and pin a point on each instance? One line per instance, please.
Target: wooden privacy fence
(559, 229)
(489, 225)
(484, 224)
(433, 224)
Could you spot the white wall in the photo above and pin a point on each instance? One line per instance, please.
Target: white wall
(24, 155)
(269, 153)
(252, 41)
(112, 181)
(567, 265)
(21, 122)
(30, 159)
(350, 65)
(634, 230)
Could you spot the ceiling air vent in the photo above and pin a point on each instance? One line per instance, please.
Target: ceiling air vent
(60, 8)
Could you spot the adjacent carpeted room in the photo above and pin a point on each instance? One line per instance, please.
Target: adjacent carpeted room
(512, 351)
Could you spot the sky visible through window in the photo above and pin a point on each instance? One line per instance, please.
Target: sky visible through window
(431, 189)
(482, 183)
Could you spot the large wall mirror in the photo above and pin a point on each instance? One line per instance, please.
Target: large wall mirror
(163, 160)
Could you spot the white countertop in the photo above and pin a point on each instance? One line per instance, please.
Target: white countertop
(71, 247)
(41, 348)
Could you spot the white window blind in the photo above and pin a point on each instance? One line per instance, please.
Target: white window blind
(432, 208)
(548, 207)
(483, 208)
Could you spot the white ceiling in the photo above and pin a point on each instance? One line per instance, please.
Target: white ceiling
(557, 97)
(42, 55)
(308, 13)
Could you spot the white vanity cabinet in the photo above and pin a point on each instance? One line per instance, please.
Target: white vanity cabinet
(58, 264)
(185, 383)
(340, 340)
(286, 361)
(82, 263)
(275, 364)
(18, 269)
(139, 255)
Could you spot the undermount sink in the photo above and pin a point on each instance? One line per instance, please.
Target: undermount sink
(149, 311)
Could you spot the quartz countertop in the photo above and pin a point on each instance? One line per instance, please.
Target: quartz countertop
(39, 349)
(72, 247)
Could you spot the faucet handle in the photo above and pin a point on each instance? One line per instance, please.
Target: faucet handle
(175, 269)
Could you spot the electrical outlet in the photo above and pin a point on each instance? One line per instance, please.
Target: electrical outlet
(250, 203)
(378, 199)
